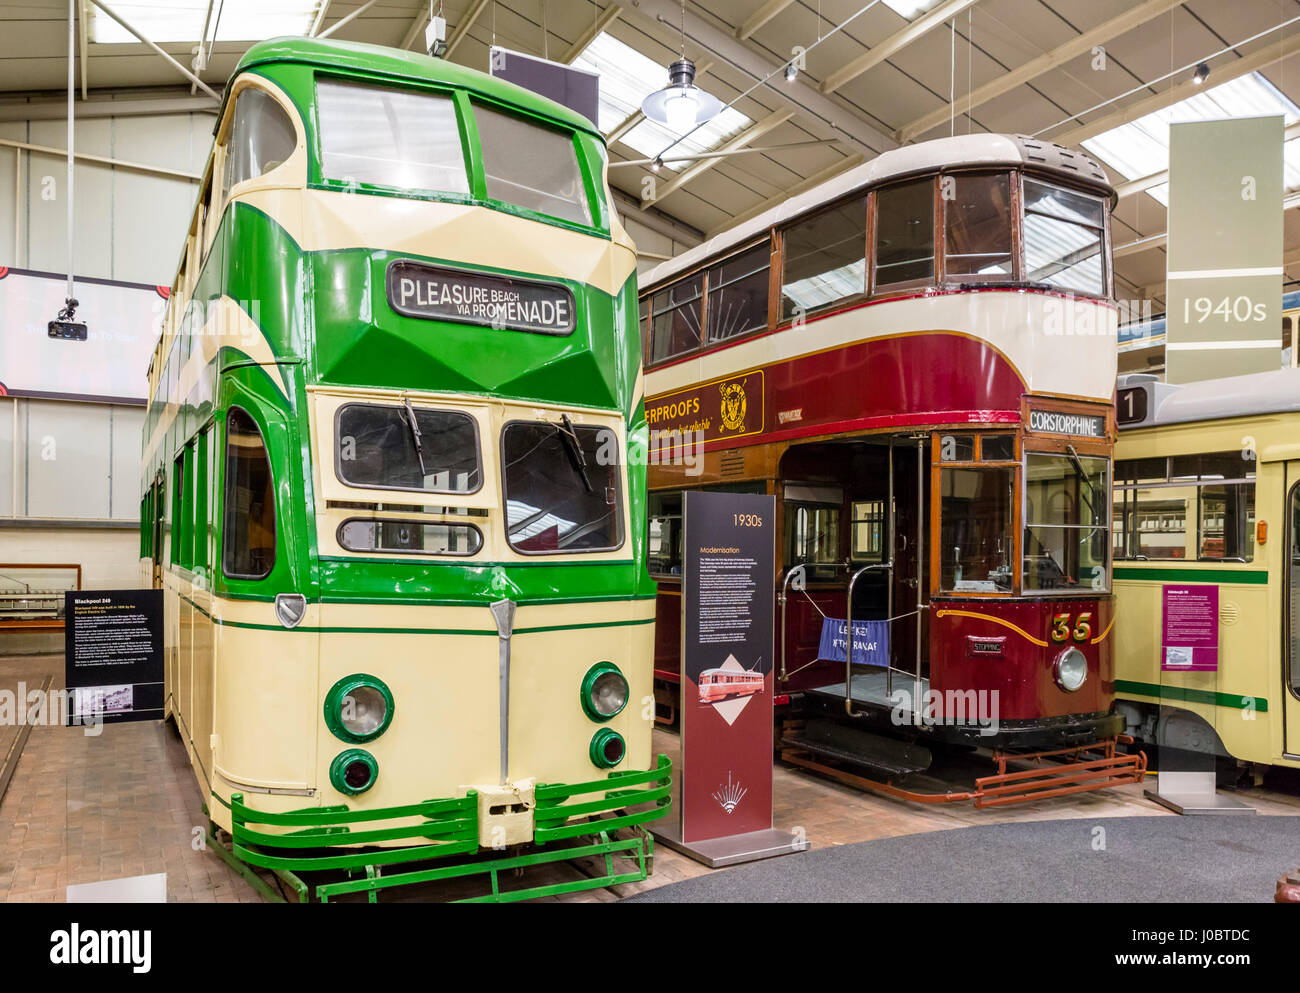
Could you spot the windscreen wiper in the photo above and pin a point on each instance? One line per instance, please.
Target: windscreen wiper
(574, 450)
(415, 435)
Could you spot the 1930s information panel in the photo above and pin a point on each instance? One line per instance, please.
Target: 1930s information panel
(726, 686)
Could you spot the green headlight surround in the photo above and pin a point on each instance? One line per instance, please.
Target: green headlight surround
(601, 742)
(334, 707)
(589, 685)
(339, 768)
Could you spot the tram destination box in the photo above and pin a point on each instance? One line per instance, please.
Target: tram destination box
(113, 655)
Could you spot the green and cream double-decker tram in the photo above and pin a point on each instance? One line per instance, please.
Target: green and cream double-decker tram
(392, 483)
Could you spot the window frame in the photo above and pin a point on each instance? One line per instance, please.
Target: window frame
(779, 283)
(430, 522)
(904, 287)
(1017, 465)
(1014, 214)
(417, 407)
(1108, 262)
(226, 503)
(1109, 527)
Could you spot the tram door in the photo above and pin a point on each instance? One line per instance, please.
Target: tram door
(158, 503)
(1291, 607)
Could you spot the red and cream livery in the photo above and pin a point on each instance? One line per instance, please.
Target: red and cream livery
(917, 358)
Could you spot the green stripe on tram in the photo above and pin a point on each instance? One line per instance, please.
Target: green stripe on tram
(1248, 577)
(1210, 698)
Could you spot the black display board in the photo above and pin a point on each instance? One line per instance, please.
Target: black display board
(113, 654)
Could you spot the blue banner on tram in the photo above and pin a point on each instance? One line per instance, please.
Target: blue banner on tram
(870, 642)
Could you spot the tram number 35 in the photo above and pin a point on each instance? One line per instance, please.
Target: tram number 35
(1061, 630)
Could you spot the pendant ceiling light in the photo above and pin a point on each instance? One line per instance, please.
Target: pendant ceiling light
(681, 105)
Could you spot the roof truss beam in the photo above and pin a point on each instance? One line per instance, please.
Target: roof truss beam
(895, 43)
(751, 133)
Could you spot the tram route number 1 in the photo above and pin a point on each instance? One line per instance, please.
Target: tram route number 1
(1082, 629)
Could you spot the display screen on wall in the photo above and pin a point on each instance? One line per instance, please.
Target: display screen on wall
(123, 322)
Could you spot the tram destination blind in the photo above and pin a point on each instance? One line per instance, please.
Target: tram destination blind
(113, 655)
(727, 672)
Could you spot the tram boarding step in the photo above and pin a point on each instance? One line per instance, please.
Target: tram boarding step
(873, 689)
(888, 756)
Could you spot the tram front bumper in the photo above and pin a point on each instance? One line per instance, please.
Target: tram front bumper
(337, 837)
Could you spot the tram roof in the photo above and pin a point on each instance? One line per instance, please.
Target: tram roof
(958, 152)
(398, 65)
(1274, 392)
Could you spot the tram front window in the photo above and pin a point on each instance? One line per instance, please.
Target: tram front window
(378, 446)
(975, 538)
(1066, 533)
(562, 487)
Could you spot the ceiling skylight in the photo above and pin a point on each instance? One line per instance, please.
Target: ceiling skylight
(626, 78)
(910, 8)
(1141, 147)
(182, 20)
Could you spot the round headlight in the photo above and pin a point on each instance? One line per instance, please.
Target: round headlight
(358, 708)
(604, 691)
(607, 748)
(1071, 669)
(353, 771)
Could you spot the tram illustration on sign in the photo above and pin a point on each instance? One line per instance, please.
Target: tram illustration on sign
(725, 684)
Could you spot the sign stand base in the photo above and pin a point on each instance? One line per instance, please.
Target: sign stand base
(731, 849)
(1195, 793)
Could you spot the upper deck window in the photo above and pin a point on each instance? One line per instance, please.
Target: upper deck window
(531, 166)
(905, 234)
(977, 226)
(1064, 232)
(381, 136)
(378, 446)
(675, 318)
(261, 137)
(825, 259)
(738, 292)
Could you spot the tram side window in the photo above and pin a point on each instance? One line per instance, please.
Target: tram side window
(675, 318)
(367, 137)
(664, 534)
(905, 234)
(547, 179)
(825, 259)
(178, 510)
(868, 530)
(261, 137)
(812, 536)
(1158, 500)
(1066, 533)
(977, 225)
(738, 291)
(1293, 587)
(248, 539)
(1063, 238)
(976, 546)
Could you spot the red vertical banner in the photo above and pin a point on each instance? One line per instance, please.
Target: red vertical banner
(727, 673)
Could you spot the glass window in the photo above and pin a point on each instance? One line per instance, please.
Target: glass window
(975, 538)
(367, 135)
(997, 448)
(1066, 506)
(825, 259)
(1154, 523)
(248, 539)
(957, 448)
(868, 530)
(409, 537)
(562, 487)
(664, 546)
(1063, 239)
(977, 225)
(812, 538)
(905, 233)
(738, 291)
(531, 166)
(261, 137)
(1227, 522)
(178, 510)
(378, 446)
(1293, 588)
(675, 318)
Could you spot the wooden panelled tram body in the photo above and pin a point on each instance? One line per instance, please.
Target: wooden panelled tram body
(385, 487)
(1207, 492)
(937, 428)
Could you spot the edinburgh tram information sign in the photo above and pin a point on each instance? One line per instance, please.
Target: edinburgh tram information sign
(113, 655)
(727, 682)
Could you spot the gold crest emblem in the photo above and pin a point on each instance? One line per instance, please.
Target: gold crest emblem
(734, 406)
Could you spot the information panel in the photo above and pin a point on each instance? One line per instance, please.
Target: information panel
(726, 679)
(1189, 629)
(113, 654)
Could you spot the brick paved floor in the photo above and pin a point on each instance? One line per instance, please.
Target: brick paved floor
(84, 809)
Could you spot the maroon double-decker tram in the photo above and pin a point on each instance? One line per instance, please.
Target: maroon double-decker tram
(917, 359)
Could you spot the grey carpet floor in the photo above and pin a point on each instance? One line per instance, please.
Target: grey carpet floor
(1144, 860)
